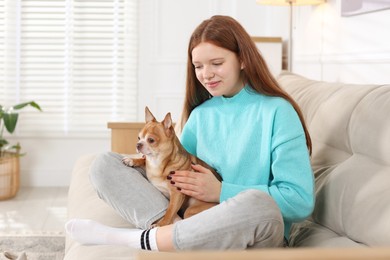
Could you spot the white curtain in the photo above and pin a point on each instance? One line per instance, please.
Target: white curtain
(76, 58)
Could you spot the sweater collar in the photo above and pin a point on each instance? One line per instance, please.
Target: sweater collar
(237, 96)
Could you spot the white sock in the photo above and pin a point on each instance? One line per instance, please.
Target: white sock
(89, 232)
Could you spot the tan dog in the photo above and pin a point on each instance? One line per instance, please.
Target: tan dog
(163, 153)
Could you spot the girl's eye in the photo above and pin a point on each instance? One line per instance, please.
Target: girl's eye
(218, 64)
(150, 140)
(198, 67)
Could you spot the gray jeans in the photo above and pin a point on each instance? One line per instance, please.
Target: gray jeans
(249, 220)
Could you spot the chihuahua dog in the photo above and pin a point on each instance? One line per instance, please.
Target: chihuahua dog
(162, 153)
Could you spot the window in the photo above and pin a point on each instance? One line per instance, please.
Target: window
(76, 58)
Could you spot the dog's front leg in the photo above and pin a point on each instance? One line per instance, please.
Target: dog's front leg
(197, 206)
(176, 201)
(134, 162)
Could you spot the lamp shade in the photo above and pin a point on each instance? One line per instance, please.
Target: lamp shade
(290, 2)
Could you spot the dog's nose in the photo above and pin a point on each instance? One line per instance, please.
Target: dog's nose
(139, 146)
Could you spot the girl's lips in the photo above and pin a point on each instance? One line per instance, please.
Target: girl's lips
(212, 84)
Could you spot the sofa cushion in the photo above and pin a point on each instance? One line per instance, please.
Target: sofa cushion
(83, 202)
(310, 234)
(350, 130)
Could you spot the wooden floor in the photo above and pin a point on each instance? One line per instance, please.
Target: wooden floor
(34, 211)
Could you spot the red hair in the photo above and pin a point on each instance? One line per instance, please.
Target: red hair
(227, 33)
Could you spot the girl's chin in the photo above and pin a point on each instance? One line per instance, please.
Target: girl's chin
(214, 92)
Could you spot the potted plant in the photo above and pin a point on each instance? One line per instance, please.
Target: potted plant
(9, 154)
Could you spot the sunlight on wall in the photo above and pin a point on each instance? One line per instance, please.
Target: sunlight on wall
(351, 49)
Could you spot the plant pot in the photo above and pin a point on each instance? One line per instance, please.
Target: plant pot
(9, 175)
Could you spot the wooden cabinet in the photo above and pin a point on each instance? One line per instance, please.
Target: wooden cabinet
(124, 136)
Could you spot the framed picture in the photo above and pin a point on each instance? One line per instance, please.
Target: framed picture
(355, 7)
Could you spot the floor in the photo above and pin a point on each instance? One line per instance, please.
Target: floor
(34, 211)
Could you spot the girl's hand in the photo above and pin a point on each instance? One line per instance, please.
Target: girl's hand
(200, 183)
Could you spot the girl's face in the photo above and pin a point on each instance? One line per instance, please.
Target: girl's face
(218, 69)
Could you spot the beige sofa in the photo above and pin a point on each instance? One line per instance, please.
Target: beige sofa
(350, 129)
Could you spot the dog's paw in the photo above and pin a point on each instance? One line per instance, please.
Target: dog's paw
(128, 161)
(154, 225)
(133, 161)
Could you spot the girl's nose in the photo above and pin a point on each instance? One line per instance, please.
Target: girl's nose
(208, 73)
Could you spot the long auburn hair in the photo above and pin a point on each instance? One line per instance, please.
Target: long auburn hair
(225, 32)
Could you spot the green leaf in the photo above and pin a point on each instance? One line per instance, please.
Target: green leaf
(16, 147)
(10, 120)
(31, 103)
(21, 105)
(3, 142)
(35, 105)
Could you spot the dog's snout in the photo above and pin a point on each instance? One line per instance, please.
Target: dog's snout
(139, 146)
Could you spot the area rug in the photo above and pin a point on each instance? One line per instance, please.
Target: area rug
(35, 247)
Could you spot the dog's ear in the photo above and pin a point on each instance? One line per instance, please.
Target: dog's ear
(149, 116)
(167, 122)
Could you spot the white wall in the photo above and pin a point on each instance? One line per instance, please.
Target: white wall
(50, 161)
(326, 46)
(165, 30)
(351, 49)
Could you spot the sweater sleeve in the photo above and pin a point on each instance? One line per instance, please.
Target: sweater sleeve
(291, 182)
(292, 185)
(188, 137)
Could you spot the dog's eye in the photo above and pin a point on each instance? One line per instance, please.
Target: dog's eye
(150, 140)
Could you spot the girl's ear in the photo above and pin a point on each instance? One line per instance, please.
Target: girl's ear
(242, 65)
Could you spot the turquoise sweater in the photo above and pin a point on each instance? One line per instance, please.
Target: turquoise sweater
(255, 142)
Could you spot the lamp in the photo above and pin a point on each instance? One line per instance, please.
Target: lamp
(290, 3)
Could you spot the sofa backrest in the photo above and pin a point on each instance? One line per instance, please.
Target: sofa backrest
(350, 129)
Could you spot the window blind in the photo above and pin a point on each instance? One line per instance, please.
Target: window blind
(76, 58)
(2, 51)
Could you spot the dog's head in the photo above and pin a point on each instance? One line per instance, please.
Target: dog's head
(156, 137)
